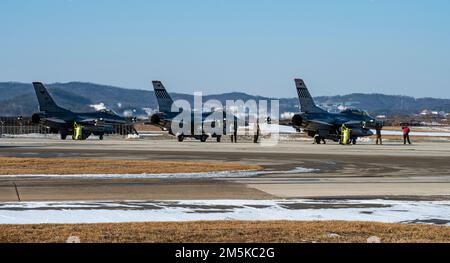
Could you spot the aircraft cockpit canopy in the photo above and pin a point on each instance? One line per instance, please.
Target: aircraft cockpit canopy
(108, 111)
(355, 112)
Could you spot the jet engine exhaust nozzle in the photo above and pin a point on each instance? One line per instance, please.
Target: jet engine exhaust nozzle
(155, 119)
(297, 120)
(37, 118)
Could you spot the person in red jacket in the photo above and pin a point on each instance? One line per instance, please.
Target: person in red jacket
(378, 128)
(406, 131)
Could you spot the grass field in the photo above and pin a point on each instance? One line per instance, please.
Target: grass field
(14, 166)
(227, 231)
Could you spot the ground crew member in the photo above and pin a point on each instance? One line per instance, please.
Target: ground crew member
(256, 135)
(234, 130)
(318, 139)
(406, 131)
(378, 132)
(345, 135)
(78, 129)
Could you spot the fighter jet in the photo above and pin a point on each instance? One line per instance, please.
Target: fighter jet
(321, 124)
(62, 120)
(165, 118)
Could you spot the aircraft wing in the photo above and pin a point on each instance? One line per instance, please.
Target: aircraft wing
(285, 122)
(315, 125)
(87, 121)
(95, 121)
(354, 124)
(99, 128)
(56, 120)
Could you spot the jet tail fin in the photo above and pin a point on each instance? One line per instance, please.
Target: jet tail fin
(164, 100)
(306, 101)
(46, 102)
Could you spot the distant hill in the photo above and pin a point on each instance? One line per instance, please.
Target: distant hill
(388, 104)
(19, 99)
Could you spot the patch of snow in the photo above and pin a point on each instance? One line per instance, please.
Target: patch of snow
(274, 128)
(73, 239)
(31, 135)
(143, 135)
(388, 211)
(128, 113)
(427, 134)
(149, 111)
(374, 239)
(223, 174)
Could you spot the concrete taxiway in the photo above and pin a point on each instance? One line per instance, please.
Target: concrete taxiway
(418, 171)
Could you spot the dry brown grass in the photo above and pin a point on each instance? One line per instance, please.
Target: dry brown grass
(227, 231)
(13, 166)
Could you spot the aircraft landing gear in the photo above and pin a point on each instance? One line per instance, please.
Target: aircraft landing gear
(84, 136)
(204, 138)
(100, 137)
(317, 139)
(218, 138)
(63, 136)
(180, 138)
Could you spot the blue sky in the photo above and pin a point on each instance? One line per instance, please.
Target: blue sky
(254, 46)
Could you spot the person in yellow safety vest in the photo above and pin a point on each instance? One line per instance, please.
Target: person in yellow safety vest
(345, 135)
(78, 130)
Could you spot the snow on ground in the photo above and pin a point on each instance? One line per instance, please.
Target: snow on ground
(52, 136)
(224, 174)
(436, 131)
(433, 128)
(31, 135)
(428, 134)
(274, 128)
(151, 211)
(144, 135)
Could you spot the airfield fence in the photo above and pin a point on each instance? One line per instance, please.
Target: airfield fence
(23, 129)
(40, 129)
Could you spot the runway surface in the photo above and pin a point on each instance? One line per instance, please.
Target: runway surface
(418, 171)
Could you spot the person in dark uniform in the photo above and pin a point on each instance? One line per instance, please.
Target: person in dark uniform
(258, 131)
(232, 133)
(235, 129)
(378, 132)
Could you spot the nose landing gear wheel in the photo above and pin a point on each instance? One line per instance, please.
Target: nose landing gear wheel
(180, 138)
(317, 139)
